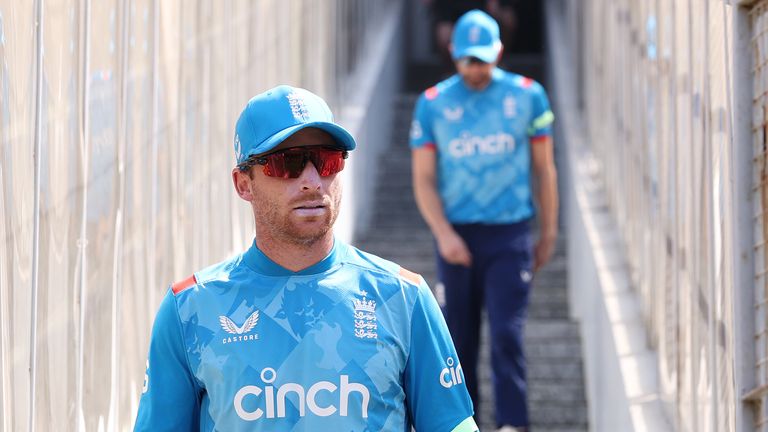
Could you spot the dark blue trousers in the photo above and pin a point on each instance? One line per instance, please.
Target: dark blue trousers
(499, 280)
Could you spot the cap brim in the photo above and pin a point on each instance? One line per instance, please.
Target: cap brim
(488, 53)
(338, 133)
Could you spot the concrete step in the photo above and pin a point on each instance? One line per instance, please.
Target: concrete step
(546, 291)
(560, 392)
(412, 236)
(563, 349)
(387, 200)
(389, 218)
(403, 250)
(396, 185)
(548, 330)
(395, 221)
(552, 413)
(552, 295)
(546, 280)
(548, 313)
(556, 370)
(405, 217)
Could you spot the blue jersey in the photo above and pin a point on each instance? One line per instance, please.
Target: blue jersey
(483, 139)
(352, 343)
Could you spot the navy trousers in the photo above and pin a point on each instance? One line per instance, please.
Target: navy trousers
(499, 280)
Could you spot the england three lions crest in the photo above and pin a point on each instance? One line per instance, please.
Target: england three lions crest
(365, 317)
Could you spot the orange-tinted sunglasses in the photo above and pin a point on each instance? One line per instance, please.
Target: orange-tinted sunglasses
(290, 162)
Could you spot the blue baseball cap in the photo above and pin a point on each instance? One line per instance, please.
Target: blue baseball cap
(272, 116)
(476, 34)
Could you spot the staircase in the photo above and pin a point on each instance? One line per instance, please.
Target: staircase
(555, 374)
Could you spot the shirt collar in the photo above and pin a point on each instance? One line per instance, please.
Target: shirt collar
(496, 75)
(261, 263)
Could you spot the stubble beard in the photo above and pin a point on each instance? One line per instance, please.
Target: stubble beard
(285, 227)
(479, 83)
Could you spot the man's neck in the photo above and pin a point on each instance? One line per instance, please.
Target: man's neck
(295, 257)
(478, 87)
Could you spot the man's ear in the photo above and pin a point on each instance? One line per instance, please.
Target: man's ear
(242, 182)
(501, 53)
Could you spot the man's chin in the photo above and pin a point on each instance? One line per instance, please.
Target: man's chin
(476, 84)
(308, 235)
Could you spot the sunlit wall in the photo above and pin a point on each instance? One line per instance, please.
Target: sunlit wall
(660, 95)
(116, 120)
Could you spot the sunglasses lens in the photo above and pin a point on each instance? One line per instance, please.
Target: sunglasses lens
(290, 163)
(327, 161)
(294, 164)
(278, 165)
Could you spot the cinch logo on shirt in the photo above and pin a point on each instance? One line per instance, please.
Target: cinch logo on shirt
(469, 145)
(274, 403)
(451, 376)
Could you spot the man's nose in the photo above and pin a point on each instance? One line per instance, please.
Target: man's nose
(310, 178)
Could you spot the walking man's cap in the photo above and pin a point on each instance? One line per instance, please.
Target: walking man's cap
(476, 34)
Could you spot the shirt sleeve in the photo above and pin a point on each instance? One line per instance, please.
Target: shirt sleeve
(435, 391)
(542, 116)
(170, 400)
(421, 125)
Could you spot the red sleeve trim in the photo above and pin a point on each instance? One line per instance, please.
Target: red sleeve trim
(429, 146)
(410, 276)
(184, 284)
(526, 82)
(539, 138)
(431, 93)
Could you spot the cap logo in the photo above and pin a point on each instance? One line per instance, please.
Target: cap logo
(238, 148)
(474, 34)
(298, 107)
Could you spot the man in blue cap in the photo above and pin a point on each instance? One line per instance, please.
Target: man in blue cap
(446, 12)
(476, 138)
(301, 332)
